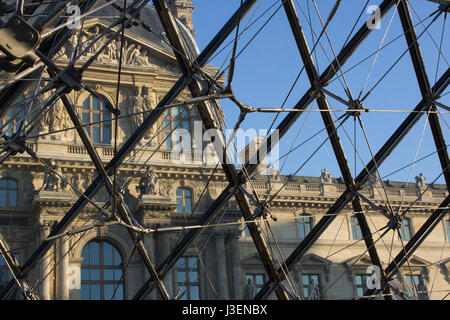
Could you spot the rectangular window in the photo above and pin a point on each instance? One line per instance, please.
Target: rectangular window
(304, 226)
(356, 229)
(361, 284)
(311, 286)
(253, 283)
(415, 287)
(405, 230)
(187, 277)
(448, 230)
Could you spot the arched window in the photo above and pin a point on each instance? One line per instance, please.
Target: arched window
(92, 111)
(184, 200)
(175, 118)
(304, 225)
(356, 229)
(8, 193)
(101, 272)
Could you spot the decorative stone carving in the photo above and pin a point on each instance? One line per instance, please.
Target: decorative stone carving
(325, 176)
(149, 185)
(133, 53)
(52, 180)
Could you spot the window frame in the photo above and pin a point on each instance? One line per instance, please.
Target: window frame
(8, 190)
(304, 225)
(363, 285)
(183, 198)
(303, 287)
(354, 226)
(186, 283)
(407, 228)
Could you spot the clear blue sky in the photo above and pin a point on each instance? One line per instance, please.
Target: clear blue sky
(268, 67)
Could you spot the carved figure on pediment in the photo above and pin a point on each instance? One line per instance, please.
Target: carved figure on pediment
(325, 176)
(143, 59)
(148, 184)
(76, 181)
(58, 118)
(52, 178)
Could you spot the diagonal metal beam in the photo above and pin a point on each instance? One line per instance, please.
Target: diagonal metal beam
(363, 176)
(414, 243)
(424, 85)
(206, 110)
(327, 118)
(282, 129)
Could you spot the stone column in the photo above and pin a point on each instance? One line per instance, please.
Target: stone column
(222, 281)
(44, 268)
(63, 268)
(236, 266)
(164, 244)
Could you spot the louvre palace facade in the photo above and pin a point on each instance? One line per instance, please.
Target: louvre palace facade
(166, 189)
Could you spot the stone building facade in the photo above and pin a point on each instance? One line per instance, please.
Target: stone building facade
(169, 190)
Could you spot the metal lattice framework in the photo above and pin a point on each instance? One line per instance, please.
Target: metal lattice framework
(44, 37)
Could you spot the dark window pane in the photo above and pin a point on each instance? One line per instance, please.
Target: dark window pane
(85, 292)
(95, 292)
(3, 198)
(95, 275)
(181, 276)
(117, 275)
(107, 254)
(106, 135)
(194, 293)
(108, 291)
(117, 257)
(94, 253)
(85, 274)
(96, 135)
(109, 275)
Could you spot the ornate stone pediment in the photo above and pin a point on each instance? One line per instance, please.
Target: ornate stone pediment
(137, 52)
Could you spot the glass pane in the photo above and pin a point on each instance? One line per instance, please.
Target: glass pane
(117, 257)
(181, 276)
(180, 205)
(85, 117)
(85, 255)
(186, 124)
(95, 292)
(94, 253)
(3, 198)
(188, 205)
(85, 274)
(358, 280)
(86, 104)
(106, 135)
(95, 274)
(194, 293)
(259, 279)
(183, 293)
(193, 262)
(95, 104)
(108, 291)
(96, 135)
(13, 198)
(117, 275)
(305, 280)
(181, 263)
(108, 275)
(193, 276)
(95, 117)
(12, 184)
(360, 292)
(119, 292)
(175, 112)
(315, 279)
(3, 183)
(305, 292)
(168, 141)
(85, 292)
(107, 254)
